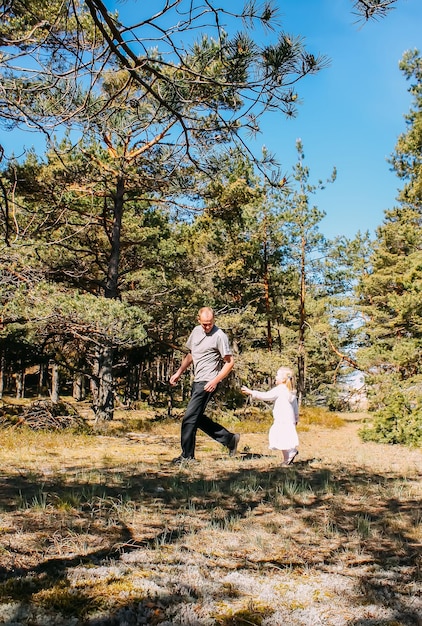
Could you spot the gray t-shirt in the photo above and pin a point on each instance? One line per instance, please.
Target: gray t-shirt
(208, 352)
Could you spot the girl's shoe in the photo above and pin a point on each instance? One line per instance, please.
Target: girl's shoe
(291, 458)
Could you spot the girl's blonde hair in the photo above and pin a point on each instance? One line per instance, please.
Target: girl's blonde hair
(285, 375)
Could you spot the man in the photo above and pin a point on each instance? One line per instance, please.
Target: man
(212, 359)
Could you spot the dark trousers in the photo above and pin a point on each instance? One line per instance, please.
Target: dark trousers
(194, 418)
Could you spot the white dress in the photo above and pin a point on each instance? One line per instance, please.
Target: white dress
(283, 433)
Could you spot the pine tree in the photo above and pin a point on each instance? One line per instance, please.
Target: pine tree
(391, 292)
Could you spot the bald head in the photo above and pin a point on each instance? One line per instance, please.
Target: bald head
(206, 318)
(207, 310)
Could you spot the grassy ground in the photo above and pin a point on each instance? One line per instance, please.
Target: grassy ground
(101, 529)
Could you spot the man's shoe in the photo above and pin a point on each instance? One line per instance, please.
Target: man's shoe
(179, 459)
(234, 444)
(183, 460)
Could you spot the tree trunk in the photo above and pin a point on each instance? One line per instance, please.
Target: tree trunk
(78, 390)
(42, 379)
(111, 286)
(55, 383)
(20, 383)
(301, 383)
(267, 294)
(2, 374)
(93, 385)
(104, 392)
(139, 381)
(104, 406)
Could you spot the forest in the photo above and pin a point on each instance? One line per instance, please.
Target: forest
(148, 204)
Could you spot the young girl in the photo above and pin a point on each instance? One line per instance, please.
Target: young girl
(282, 434)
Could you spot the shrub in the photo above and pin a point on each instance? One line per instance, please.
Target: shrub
(398, 421)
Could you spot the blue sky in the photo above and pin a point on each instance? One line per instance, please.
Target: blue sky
(351, 113)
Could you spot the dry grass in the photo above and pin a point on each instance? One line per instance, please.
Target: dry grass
(102, 529)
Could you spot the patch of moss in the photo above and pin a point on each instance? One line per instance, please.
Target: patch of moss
(22, 588)
(253, 615)
(65, 600)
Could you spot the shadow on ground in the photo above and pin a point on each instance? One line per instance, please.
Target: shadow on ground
(363, 517)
